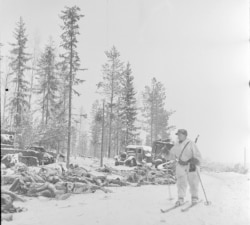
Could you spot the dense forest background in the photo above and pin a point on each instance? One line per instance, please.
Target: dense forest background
(39, 87)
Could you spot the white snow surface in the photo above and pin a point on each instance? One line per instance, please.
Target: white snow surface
(228, 192)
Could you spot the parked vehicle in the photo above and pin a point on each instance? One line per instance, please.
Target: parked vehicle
(43, 156)
(160, 149)
(134, 155)
(29, 154)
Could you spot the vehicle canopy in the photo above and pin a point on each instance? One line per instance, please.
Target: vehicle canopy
(142, 147)
(36, 148)
(139, 151)
(161, 147)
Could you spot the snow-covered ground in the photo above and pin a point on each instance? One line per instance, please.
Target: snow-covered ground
(229, 193)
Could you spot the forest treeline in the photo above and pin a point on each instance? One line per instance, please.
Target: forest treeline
(39, 86)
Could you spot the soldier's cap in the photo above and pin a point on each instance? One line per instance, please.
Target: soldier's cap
(182, 131)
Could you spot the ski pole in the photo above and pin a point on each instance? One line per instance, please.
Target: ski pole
(196, 139)
(207, 202)
(169, 190)
(198, 174)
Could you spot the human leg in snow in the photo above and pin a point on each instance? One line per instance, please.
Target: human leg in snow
(181, 176)
(194, 181)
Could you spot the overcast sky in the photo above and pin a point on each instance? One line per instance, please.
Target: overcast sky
(199, 49)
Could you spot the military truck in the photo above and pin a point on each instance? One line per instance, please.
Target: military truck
(44, 157)
(29, 155)
(134, 155)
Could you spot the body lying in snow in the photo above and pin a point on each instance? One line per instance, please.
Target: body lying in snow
(10, 160)
(7, 199)
(52, 190)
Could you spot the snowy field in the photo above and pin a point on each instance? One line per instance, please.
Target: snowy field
(229, 193)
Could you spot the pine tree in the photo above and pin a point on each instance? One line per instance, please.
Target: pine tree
(47, 82)
(4, 85)
(63, 93)
(35, 56)
(119, 133)
(110, 86)
(61, 113)
(154, 112)
(128, 110)
(19, 104)
(70, 17)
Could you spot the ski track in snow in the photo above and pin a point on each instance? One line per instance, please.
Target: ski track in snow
(228, 192)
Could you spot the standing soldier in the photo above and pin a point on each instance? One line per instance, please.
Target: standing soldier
(188, 161)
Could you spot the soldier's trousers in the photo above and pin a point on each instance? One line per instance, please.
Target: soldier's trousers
(185, 178)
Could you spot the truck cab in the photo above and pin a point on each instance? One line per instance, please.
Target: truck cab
(134, 155)
(139, 152)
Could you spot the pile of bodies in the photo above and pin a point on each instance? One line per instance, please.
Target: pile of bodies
(7, 207)
(148, 174)
(56, 181)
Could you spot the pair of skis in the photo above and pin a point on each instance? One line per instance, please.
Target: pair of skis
(185, 209)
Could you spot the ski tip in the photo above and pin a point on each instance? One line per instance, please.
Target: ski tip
(190, 206)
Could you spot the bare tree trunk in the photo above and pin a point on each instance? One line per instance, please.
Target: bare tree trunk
(47, 99)
(43, 109)
(13, 117)
(152, 115)
(116, 139)
(70, 96)
(47, 111)
(156, 120)
(151, 125)
(5, 93)
(17, 104)
(126, 135)
(118, 128)
(80, 133)
(64, 97)
(32, 79)
(103, 122)
(110, 120)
